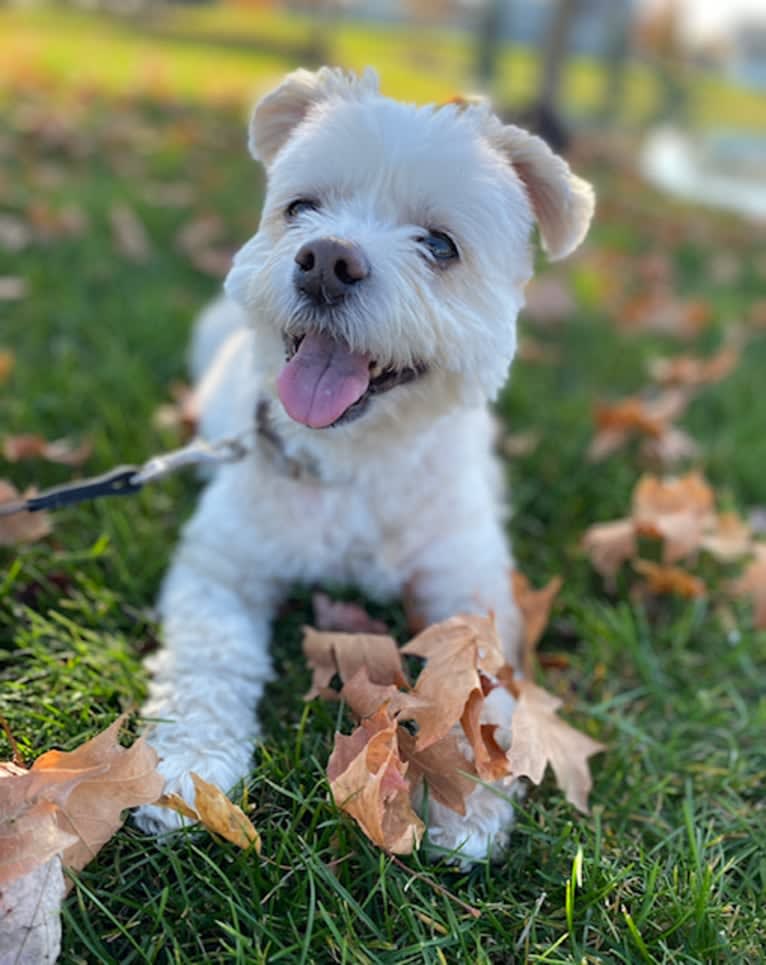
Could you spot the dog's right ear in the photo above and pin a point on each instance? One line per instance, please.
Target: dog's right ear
(278, 114)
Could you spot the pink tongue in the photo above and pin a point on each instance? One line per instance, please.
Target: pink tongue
(322, 380)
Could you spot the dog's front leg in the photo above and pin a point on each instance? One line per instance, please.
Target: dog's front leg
(207, 680)
(468, 570)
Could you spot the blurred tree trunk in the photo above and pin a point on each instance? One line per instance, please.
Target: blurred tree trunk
(489, 42)
(554, 53)
(619, 13)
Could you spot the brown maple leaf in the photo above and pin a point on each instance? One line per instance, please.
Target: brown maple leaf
(32, 446)
(214, 811)
(535, 606)
(540, 737)
(7, 364)
(649, 418)
(332, 615)
(669, 580)
(328, 654)
(752, 584)
(443, 767)
(367, 780)
(455, 651)
(73, 801)
(690, 370)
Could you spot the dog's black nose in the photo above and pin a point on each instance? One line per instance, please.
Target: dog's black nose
(327, 268)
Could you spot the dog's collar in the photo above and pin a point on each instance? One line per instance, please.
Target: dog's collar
(302, 466)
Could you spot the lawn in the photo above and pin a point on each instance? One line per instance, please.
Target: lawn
(672, 855)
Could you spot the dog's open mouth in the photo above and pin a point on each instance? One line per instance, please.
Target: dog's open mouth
(325, 384)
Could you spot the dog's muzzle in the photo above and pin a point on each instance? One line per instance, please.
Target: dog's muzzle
(327, 269)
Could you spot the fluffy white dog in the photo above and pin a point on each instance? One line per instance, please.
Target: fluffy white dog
(368, 323)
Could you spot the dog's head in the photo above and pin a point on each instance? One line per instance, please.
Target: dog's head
(394, 247)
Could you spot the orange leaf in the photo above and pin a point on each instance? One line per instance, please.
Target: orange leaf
(540, 737)
(692, 370)
(21, 527)
(222, 816)
(85, 790)
(329, 654)
(7, 363)
(443, 766)
(455, 650)
(752, 583)
(489, 757)
(367, 781)
(345, 617)
(535, 606)
(609, 545)
(30, 446)
(670, 580)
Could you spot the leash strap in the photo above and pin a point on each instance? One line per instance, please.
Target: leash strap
(126, 480)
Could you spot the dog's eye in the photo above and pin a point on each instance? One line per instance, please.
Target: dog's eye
(300, 205)
(441, 246)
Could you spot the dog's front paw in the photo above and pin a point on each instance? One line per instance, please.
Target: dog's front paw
(482, 832)
(177, 766)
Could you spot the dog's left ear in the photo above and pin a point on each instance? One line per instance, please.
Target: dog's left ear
(563, 203)
(280, 112)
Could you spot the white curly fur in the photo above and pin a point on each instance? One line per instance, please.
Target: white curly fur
(408, 495)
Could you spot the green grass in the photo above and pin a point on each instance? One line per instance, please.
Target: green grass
(672, 857)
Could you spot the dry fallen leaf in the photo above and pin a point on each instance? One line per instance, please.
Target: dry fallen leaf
(660, 310)
(548, 300)
(678, 511)
(519, 443)
(30, 920)
(7, 364)
(455, 651)
(129, 233)
(540, 737)
(669, 580)
(21, 527)
(535, 606)
(32, 446)
(752, 584)
(182, 414)
(328, 654)
(345, 617)
(12, 288)
(367, 780)
(691, 370)
(650, 418)
(219, 814)
(443, 767)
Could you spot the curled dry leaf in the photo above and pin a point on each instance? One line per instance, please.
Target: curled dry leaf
(71, 803)
(690, 370)
(548, 300)
(33, 446)
(214, 810)
(328, 654)
(7, 364)
(752, 584)
(540, 738)
(21, 527)
(129, 233)
(182, 414)
(680, 512)
(670, 580)
(367, 780)
(443, 766)
(535, 606)
(345, 617)
(649, 417)
(12, 288)
(455, 651)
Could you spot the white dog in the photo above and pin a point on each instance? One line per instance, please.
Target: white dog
(368, 323)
